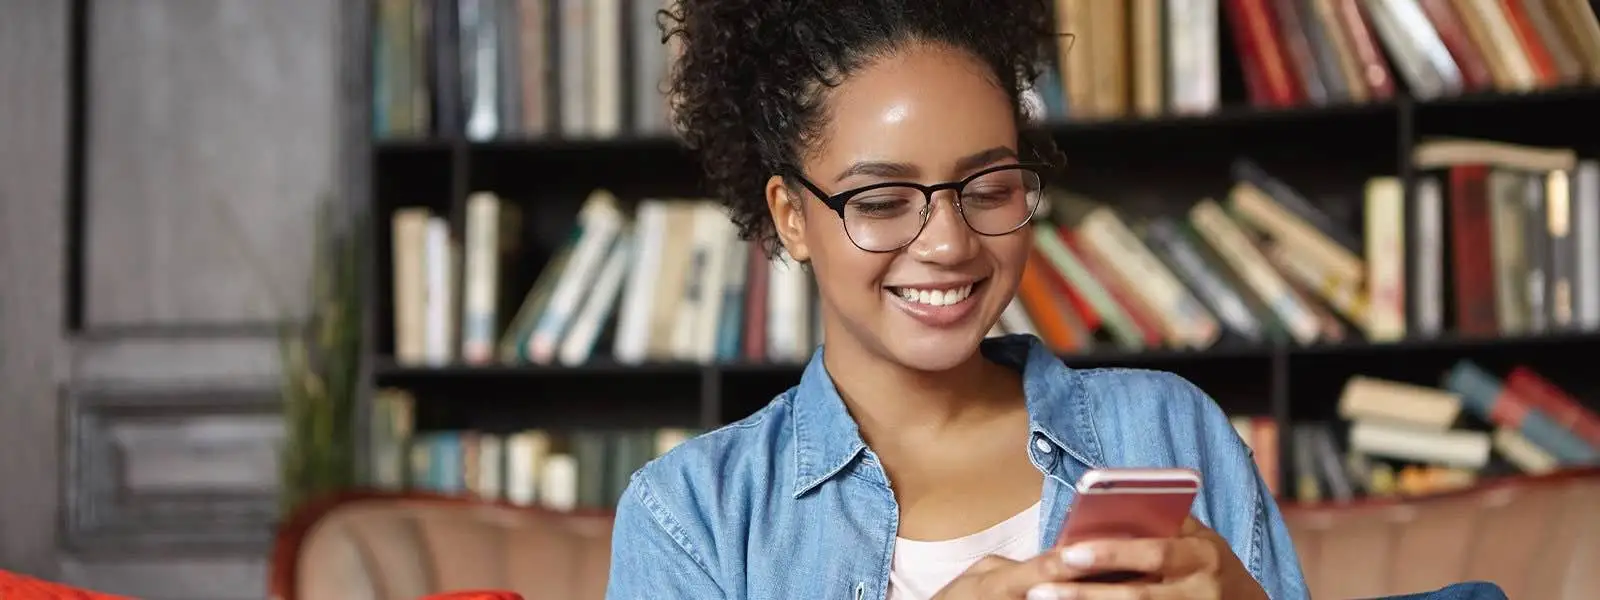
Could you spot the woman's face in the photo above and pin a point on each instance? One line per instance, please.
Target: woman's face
(926, 114)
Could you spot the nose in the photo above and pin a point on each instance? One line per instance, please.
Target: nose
(946, 239)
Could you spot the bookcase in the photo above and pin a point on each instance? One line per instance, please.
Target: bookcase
(1187, 110)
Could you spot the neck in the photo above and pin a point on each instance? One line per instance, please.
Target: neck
(888, 400)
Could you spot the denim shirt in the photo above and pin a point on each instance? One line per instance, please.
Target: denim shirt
(791, 503)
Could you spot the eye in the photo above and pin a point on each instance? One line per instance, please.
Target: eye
(877, 206)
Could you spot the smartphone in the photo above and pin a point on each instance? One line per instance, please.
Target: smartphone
(1129, 503)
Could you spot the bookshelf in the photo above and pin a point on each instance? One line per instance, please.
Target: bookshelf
(1146, 166)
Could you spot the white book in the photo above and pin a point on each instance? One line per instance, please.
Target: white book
(579, 343)
(1455, 448)
(649, 66)
(1524, 454)
(601, 221)
(715, 233)
(436, 249)
(525, 454)
(480, 290)
(632, 336)
(1371, 399)
(670, 291)
(693, 293)
(1430, 47)
(491, 454)
(1428, 267)
(480, 49)
(1385, 242)
(573, 56)
(410, 233)
(1193, 82)
(605, 67)
(558, 482)
(786, 310)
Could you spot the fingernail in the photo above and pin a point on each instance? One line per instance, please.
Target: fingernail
(1047, 591)
(1078, 556)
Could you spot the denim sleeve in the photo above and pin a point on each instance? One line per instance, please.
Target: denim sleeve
(1270, 555)
(1277, 565)
(651, 553)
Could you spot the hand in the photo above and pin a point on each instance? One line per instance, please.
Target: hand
(1197, 564)
(998, 578)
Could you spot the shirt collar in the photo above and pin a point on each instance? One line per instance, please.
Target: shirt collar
(826, 438)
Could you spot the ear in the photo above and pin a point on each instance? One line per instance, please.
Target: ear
(788, 218)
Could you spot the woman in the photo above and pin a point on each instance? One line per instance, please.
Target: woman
(914, 459)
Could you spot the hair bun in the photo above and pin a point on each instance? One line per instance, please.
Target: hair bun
(745, 90)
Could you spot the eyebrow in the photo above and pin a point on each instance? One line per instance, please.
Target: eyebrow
(906, 170)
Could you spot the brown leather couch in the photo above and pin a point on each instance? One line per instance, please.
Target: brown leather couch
(1537, 537)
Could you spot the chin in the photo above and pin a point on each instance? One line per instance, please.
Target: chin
(934, 352)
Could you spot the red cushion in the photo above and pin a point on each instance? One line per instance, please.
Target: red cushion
(18, 587)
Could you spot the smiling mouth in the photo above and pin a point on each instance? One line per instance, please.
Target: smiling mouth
(941, 296)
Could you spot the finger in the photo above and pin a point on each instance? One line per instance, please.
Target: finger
(1053, 565)
(1170, 557)
(1188, 588)
(1194, 528)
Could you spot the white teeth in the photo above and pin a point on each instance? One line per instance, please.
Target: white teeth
(935, 297)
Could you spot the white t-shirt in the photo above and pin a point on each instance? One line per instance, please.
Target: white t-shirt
(920, 569)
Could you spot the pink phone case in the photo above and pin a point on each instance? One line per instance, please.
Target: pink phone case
(1129, 503)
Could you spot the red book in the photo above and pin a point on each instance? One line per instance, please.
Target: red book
(755, 305)
(1544, 67)
(1474, 68)
(1256, 33)
(1120, 293)
(1472, 243)
(1373, 67)
(1556, 403)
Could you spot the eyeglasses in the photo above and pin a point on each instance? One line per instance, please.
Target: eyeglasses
(884, 217)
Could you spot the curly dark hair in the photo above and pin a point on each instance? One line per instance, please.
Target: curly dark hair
(745, 92)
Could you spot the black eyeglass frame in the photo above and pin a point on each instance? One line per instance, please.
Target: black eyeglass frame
(837, 202)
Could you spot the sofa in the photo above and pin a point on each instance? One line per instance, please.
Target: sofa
(1534, 536)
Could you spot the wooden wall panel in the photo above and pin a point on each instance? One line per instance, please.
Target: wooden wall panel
(213, 130)
(163, 471)
(213, 133)
(33, 112)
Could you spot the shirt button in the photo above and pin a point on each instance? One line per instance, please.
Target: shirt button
(1041, 444)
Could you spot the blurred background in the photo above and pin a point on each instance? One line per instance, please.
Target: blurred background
(257, 256)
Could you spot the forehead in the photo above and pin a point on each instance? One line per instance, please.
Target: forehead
(924, 105)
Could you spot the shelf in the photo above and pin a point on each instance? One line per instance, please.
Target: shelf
(1452, 344)
(390, 373)
(1223, 121)
(1283, 122)
(1238, 377)
(1504, 100)
(1231, 117)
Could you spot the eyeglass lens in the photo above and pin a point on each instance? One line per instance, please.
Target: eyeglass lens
(994, 203)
